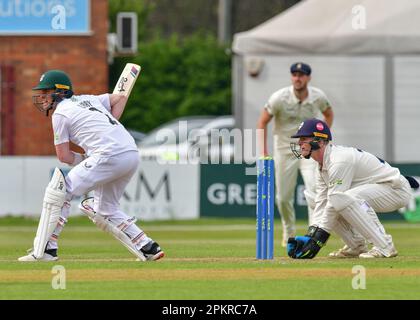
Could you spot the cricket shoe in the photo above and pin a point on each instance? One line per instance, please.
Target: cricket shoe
(376, 253)
(152, 251)
(347, 252)
(49, 255)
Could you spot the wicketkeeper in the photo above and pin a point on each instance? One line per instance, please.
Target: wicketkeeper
(288, 107)
(352, 185)
(110, 160)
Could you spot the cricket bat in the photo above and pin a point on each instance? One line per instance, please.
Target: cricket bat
(127, 79)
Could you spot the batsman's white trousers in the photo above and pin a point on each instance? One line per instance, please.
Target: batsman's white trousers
(107, 177)
(287, 166)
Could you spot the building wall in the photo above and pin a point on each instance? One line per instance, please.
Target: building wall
(84, 58)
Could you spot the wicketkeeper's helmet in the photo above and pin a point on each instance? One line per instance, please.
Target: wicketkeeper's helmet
(314, 128)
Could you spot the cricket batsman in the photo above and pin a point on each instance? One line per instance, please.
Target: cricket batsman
(110, 160)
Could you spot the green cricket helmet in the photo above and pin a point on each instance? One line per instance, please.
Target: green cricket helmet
(53, 80)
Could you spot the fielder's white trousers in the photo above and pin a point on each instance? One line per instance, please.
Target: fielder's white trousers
(107, 177)
(287, 166)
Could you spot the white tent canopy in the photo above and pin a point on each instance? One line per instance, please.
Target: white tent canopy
(328, 26)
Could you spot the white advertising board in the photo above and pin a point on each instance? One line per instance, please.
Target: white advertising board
(155, 192)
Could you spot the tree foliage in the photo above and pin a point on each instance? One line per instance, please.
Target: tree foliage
(189, 76)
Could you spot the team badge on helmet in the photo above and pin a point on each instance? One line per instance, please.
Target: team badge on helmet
(320, 126)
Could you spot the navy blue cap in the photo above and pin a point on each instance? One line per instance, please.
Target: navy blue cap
(301, 67)
(313, 128)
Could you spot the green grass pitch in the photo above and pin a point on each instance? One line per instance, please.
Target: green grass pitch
(207, 259)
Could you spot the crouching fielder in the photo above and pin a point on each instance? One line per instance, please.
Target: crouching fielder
(111, 159)
(352, 185)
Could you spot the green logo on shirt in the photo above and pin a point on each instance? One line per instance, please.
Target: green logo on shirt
(336, 182)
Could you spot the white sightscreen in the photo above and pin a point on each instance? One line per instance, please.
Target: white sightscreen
(407, 108)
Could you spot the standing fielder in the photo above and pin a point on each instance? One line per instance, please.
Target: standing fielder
(352, 185)
(112, 158)
(289, 107)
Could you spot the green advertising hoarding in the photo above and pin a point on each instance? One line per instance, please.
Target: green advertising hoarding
(228, 191)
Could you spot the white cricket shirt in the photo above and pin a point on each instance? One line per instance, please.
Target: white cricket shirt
(86, 120)
(345, 168)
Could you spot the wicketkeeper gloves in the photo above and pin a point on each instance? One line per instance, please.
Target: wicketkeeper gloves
(307, 246)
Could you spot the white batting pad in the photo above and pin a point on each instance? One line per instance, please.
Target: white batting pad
(116, 231)
(360, 215)
(54, 197)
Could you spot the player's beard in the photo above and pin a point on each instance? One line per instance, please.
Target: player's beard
(300, 88)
